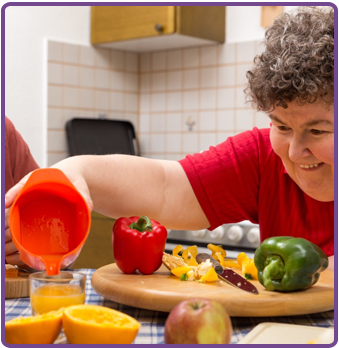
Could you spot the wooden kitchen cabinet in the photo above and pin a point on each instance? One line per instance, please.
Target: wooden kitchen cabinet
(149, 28)
(97, 250)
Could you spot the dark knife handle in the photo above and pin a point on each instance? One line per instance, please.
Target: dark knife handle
(216, 265)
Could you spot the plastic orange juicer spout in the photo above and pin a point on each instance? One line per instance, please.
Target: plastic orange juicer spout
(49, 221)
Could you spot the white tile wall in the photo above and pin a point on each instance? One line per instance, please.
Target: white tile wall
(173, 142)
(174, 59)
(226, 98)
(145, 62)
(158, 123)
(158, 61)
(208, 77)
(144, 127)
(191, 58)
(173, 122)
(191, 79)
(174, 101)
(174, 80)
(226, 54)
(206, 140)
(157, 143)
(190, 142)
(208, 56)
(225, 120)
(86, 77)
(191, 100)
(180, 101)
(226, 76)
(207, 121)
(208, 99)
(244, 119)
(158, 82)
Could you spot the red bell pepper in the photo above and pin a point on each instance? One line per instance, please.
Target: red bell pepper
(138, 244)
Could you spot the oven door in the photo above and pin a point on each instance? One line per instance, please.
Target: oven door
(234, 238)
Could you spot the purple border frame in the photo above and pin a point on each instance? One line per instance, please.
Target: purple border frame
(3, 8)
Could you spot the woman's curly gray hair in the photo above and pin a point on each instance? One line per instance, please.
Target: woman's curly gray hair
(297, 63)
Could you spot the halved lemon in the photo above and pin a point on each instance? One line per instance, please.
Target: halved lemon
(91, 324)
(40, 329)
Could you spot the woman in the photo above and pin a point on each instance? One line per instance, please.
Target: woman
(281, 178)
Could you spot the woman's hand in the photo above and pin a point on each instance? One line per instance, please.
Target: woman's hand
(70, 167)
(12, 255)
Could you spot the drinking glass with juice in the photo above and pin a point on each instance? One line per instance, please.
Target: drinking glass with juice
(49, 293)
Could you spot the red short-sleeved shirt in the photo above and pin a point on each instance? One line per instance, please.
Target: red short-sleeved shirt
(18, 158)
(243, 179)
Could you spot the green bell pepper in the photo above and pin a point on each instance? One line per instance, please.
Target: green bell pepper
(288, 263)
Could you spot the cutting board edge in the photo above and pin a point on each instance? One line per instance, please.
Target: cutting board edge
(16, 287)
(128, 297)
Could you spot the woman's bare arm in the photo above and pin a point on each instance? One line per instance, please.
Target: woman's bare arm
(120, 185)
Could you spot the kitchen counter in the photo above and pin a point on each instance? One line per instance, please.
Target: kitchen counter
(152, 329)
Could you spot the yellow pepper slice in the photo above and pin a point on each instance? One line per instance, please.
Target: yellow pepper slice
(247, 266)
(190, 252)
(249, 269)
(176, 250)
(215, 249)
(210, 276)
(179, 271)
(241, 258)
(192, 262)
(220, 259)
(231, 263)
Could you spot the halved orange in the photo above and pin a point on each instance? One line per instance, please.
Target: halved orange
(91, 324)
(40, 329)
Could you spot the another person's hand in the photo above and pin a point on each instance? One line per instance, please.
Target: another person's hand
(12, 255)
(14, 191)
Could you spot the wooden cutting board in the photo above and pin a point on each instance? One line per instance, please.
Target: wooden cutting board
(162, 291)
(17, 286)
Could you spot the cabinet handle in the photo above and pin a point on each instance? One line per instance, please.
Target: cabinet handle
(159, 28)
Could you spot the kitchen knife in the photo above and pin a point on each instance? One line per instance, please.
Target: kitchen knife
(228, 275)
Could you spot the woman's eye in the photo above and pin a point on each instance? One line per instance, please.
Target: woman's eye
(283, 128)
(317, 132)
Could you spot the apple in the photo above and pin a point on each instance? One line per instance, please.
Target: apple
(198, 321)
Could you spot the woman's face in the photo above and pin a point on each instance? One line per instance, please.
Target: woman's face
(303, 137)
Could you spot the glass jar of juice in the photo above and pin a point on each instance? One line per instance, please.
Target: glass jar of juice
(50, 293)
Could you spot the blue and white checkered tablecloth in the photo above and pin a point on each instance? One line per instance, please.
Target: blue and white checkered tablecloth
(153, 322)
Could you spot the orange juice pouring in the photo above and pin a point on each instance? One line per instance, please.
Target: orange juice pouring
(49, 221)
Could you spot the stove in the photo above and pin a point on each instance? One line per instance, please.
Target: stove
(235, 238)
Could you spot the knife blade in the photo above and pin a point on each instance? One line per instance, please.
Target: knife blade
(228, 275)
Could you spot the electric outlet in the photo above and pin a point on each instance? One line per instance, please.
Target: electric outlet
(190, 122)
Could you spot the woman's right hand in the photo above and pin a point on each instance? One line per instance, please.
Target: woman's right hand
(70, 168)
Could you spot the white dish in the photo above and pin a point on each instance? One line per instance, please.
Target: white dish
(276, 333)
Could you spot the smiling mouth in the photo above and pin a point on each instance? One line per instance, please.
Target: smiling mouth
(310, 166)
